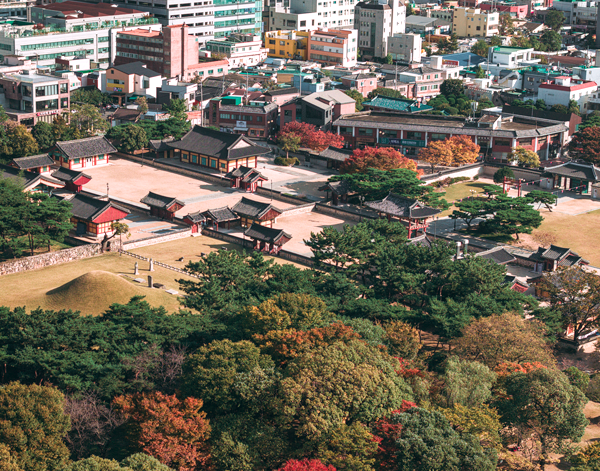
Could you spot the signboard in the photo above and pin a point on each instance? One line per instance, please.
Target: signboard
(240, 124)
(401, 142)
(450, 63)
(46, 113)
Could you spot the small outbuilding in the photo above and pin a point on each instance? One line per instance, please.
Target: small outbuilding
(83, 153)
(252, 211)
(41, 163)
(73, 179)
(194, 220)
(162, 206)
(221, 216)
(246, 178)
(267, 239)
(92, 216)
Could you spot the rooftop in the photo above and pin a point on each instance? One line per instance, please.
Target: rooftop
(88, 208)
(267, 234)
(253, 209)
(88, 147)
(142, 33)
(160, 201)
(396, 104)
(87, 10)
(34, 78)
(136, 68)
(33, 161)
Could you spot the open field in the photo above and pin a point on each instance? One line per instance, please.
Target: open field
(458, 191)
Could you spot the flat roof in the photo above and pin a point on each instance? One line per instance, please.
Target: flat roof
(87, 10)
(141, 32)
(33, 78)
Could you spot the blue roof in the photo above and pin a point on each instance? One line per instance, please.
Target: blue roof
(463, 58)
(397, 104)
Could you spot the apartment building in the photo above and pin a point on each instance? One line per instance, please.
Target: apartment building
(287, 44)
(333, 47)
(517, 11)
(406, 47)
(255, 119)
(89, 34)
(170, 52)
(308, 15)
(240, 16)
(376, 21)
(561, 90)
(475, 23)
(30, 98)
(240, 49)
(582, 14)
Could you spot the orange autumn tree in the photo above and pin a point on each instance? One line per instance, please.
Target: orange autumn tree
(380, 158)
(174, 432)
(310, 136)
(452, 152)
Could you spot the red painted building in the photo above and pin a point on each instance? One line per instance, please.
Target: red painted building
(34, 163)
(256, 212)
(92, 216)
(363, 83)
(82, 153)
(515, 11)
(161, 206)
(73, 179)
(246, 178)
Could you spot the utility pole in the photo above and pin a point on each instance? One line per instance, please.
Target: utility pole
(201, 105)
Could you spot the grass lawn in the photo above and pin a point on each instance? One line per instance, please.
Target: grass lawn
(91, 285)
(580, 233)
(458, 191)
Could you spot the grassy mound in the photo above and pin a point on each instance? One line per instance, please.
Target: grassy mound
(93, 292)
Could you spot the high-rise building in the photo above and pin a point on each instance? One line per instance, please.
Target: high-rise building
(309, 15)
(333, 47)
(376, 21)
(237, 16)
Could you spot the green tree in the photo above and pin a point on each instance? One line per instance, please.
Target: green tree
(504, 338)
(467, 383)
(480, 48)
(210, 373)
(131, 138)
(525, 157)
(177, 108)
(91, 97)
(43, 135)
(423, 440)
(551, 40)
(348, 448)
(289, 143)
(514, 216)
(545, 410)
(591, 120)
(479, 72)
(88, 120)
(21, 142)
(471, 209)
(33, 424)
(503, 172)
(543, 198)
(554, 19)
(54, 218)
(142, 103)
(382, 91)
(453, 87)
(357, 97)
(7, 460)
(506, 25)
(559, 109)
(482, 422)
(574, 108)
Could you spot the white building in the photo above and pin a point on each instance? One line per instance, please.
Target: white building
(563, 89)
(183, 90)
(405, 47)
(511, 57)
(240, 49)
(308, 15)
(376, 22)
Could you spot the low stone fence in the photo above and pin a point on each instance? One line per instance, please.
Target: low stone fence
(301, 209)
(49, 259)
(470, 171)
(343, 213)
(522, 173)
(279, 196)
(246, 243)
(297, 258)
(159, 264)
(157, 239)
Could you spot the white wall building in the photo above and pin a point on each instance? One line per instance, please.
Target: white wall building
(563, 89)
(308, 15)
(240, 49)
(405, 47)
(376, 21)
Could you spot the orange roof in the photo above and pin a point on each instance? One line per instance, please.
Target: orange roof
(142, 32)
(207, 65)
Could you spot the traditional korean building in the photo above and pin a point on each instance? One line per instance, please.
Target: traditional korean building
(82, 153)
(246, 178)
(221, 216)
(333, 156)
(92, 216)
(554, 257)
(497, 255)
(162, 206)
(217, 150)
(267, 239)
(574, 176)
(339, 191)
(194, 220)
(41, 163)
(412, 213)
(251, 212)
(73, 179)
(161, 148)
(31, 181)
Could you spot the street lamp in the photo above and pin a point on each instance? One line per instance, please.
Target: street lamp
(362, 200)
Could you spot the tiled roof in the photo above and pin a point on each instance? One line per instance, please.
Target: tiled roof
(246, 174)
(88, 208)
(498, 255)
(580, 171)
(399, 206)
(124, 114)
(195, 217)
(160, 201)
(253, 209)
(267, 234)
(396, 104)
(68, 175)
(33, 161)
(334, 153)
(339, 188)
(136, 68)
(421, 240)
(218, 144)
(28, 178)
(282, 91)
(223, 214)
(87, 147)
(160, 145)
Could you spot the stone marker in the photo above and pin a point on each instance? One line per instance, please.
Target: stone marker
(172, 291)
(151, 265)
(138, 280)
(136, 272)
(150, 283)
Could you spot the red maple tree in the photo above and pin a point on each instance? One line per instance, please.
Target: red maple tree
(310, 136)
(380, 158)
(386, 433)
(174, 432)
(306, 465)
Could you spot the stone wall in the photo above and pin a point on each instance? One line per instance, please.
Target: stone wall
(527, 174)
(343, 213)
(470, 171)
(277, 195)
(246, 243)
(303, 208)
(50, 258)
(134, 244)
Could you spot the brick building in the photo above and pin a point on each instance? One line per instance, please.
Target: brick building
(172, 52)
(254, 119)
(320, 109)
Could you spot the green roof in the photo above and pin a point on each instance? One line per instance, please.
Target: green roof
(509, 49)
(397, 104)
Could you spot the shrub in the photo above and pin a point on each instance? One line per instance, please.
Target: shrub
(459, 179)
(503, 172)
(593, 390)
(279, 160)
(578, 378)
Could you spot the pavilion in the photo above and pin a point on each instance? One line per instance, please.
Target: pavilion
(246, 178)
(162, 206)
(73, 179)
(554, 257)
(267, 239)
(339, 191)
(251, 211)
(221, 216)
(412, 213)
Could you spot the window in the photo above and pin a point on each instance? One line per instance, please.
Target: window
(412, 135)
(365, 132)
(225, 116)
(76, 161)
(194, 158)
(437, 137)
(502, 142)
(203, 161)
(213, 163)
